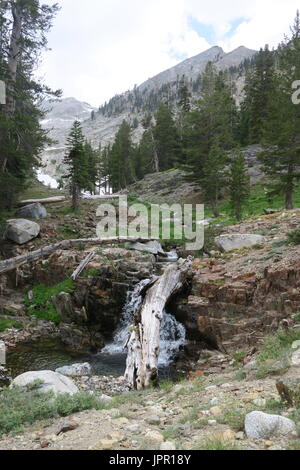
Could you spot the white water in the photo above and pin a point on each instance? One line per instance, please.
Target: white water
(172, 333)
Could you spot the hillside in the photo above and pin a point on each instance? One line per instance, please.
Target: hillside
(131, 104)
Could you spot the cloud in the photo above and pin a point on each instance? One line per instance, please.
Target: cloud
(100, 48)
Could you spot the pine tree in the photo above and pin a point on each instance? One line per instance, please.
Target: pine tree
(259, 90)
(281, 137)
(167, 140)
(239, 184)
(213, 178)
(23, 28)
(121, 159)
(76, 161)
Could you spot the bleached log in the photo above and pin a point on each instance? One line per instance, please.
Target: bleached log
(13, 263)
(49, 200)
(83, 265)
(144, 342)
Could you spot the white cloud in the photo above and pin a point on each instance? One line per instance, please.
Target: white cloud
(100, 48)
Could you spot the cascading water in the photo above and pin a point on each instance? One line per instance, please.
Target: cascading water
(172, 333)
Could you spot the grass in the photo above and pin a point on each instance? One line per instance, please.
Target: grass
(217, 443)
(21, 407)
(234, 418)
(294, 237)
(5, 324)
(276, 347)
(41, 306)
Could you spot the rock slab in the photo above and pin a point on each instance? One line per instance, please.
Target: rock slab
(236, 241)
(75, 370)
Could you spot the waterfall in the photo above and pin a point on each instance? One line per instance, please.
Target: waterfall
(172, 333)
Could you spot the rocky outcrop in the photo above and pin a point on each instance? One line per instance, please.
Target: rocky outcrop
(51, 382)
(32, 211)
(21, 231)
(289, 390)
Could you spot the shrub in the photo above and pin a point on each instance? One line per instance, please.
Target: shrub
(5, 324)
(294, 237)
(41, 306)
(20, 407)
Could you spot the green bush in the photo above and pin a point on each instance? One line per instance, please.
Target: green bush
(294, 237)
(41, 306)
(20, 407)
(277, 346)
(5, 324)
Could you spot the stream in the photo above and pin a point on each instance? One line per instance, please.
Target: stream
(49, 354)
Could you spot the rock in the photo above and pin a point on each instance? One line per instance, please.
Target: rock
(134, 428)
(289, 390)
(152, 247)
(168, 446)
(105, 398)
(105, 444)
(295, 360)
(259, 425)
(21, 231)
(212, 422)
(154, 437)
(2, 353)
(240, 436)
(66, 427)
(296, 345)
(52, 381)
(260, 402)
(214, 401)
(154, 420)
(236, 241)
(75, 370)
(250, 366)
(216, 411)
(32, 211)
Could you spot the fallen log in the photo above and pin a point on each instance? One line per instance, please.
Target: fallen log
(83, 265)
(49, 200)
(13, 263)
(144, 343)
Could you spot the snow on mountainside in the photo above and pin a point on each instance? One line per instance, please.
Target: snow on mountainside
(104, 126)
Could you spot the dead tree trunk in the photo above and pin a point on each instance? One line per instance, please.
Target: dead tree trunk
(13, 263)
(144, 343)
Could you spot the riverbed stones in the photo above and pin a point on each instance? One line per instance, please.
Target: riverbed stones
(21, 231)
(50, 382)
(76, 370)
(237, 241)
(259, 425)
(32, 211)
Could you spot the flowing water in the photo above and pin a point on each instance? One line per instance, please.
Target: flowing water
(172, 333)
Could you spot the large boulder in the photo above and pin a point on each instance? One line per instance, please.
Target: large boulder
(236, 241)
(259, 425)
(75, 370)
(2, 353)
(21, 230)
(51, 382)
(32, 211)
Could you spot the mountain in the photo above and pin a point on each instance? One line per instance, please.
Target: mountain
(131, 105)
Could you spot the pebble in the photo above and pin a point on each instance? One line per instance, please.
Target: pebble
(214, 401)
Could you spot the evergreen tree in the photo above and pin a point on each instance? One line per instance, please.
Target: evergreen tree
(184, 96)
(239, 184)
(23, 28)
(259, 90)
(213, 178)
(76, 161)
(121, 159)
(167, 141)
(93, 161)
(281, 137)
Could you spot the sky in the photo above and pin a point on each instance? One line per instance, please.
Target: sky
(100, 48)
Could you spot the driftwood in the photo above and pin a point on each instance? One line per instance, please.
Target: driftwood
(83, 265)
(144, 343)
(13, 263)
(49, 200)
